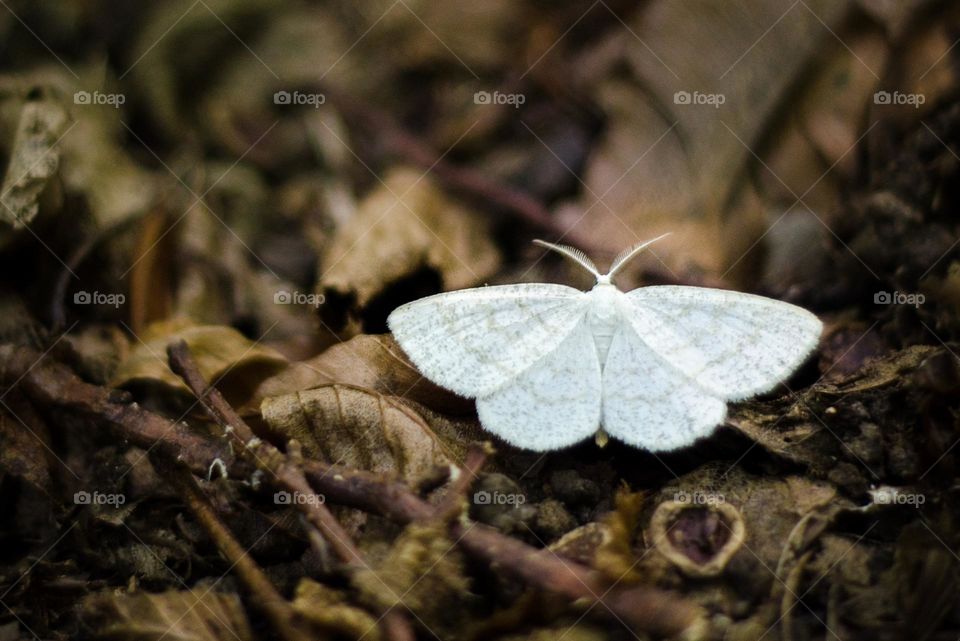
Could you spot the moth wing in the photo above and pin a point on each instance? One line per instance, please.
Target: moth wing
(554, 403)
(474, 341)
(649, 403)
(734, 345)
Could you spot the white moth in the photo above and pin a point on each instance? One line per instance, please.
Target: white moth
(655, 367)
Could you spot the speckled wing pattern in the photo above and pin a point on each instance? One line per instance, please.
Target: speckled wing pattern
(527, 353)
(475, 341)
(553, 404)
(733, 345)
(649, 403)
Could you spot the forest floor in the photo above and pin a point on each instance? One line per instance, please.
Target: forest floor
(210, 208)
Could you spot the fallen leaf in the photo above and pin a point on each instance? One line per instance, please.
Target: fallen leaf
(711, 172)
(359, 428)
(404, 226)
(615, 556)
(493, 39)
(174, 615)
(330, 612)
(224, 356)
(800, 431)
(303, 44)
(34, 161)
(423, 571)
(98, 165)
(374, 362)
(179, 36)
(581, 543)
(924, 572)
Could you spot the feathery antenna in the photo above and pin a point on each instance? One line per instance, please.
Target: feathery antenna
(626, 255)
(584, 261)
(573, 254)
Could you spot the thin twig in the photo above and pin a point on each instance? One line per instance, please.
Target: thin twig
(286, 471)
(266, 598)
(647, 608)
(52, 384)
(453, 500)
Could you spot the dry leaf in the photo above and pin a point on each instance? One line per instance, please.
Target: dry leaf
(172, 615)
(225, 357)
(34, 160)
(358, 428)
(329, 611)
(615, 556)
(827, 120)
(96, 164)
(581, 544)
(423, 571)
(374, 362)
(790, 431)
(669, 164)
(494, 36)
(304, 44)
(402, 227)
(180, 36)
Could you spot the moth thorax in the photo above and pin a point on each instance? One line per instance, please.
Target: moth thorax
(603, 318)
(603, 301)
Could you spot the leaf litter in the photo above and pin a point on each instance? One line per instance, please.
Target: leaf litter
(158, 187)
